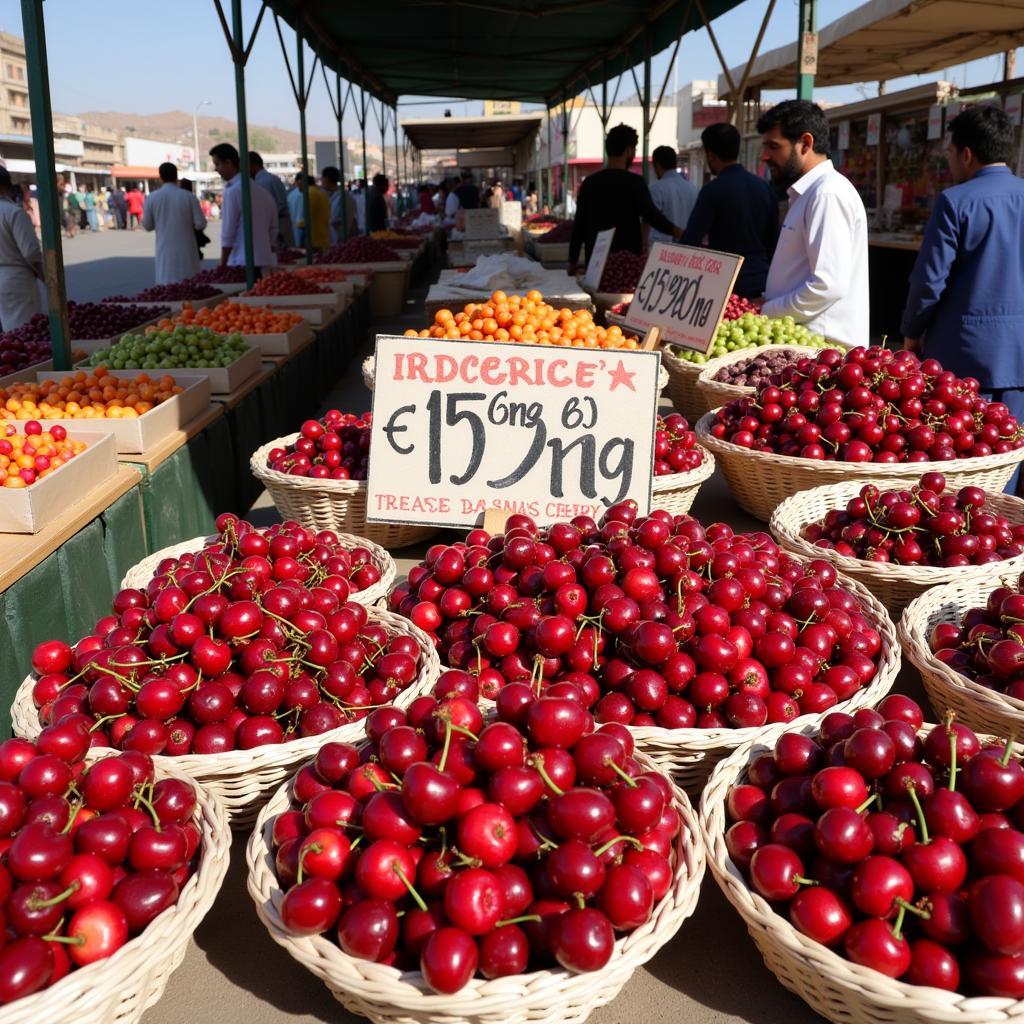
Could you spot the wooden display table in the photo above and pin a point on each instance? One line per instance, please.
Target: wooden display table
(161, 452)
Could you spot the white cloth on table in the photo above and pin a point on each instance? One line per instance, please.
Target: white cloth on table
(175, 215)
(264, 225)
(20, 297)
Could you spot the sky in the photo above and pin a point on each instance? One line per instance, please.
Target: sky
(193, 65)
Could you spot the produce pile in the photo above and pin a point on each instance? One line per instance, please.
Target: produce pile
(26, 458)
(284, 282)
(218, 275)
(92, 855)
(177, 292)
(541, 223)
(321, 274)
(397, 239)
(96, 395)
(360, 249)
(869, 405)
(234, 318)
(900, 852)
(336, 447)
(737, 306)
(986, 645)
(524, 318)
(753, 330)
(251, 641)
(921, 525)
(756, 369)
(184, 347)
(675, 446)
(527, 843)
(622, 271)
(561, 232)
(657, 620)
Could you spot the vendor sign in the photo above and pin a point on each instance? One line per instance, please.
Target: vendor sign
(597, 259)
(465, 428)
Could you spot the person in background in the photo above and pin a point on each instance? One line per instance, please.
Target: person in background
(319, 216)
(135, 201)
(174, 215)
(119, 206)
(673, 194)
(530, 203)
(615, 198)
(425, 200)
(735, 212)
(376, 205)
(21, 260)
(74, 198)
(453, 201)
(468, 193)
(30, 201)
(819, 273)
(214, 209)
(89, 204)
(965, 306)
(297, 212)
(359, 195)
(202, 239)
(343, 208)
(497, 199)
(103, 208)
(264, 214)
(276, 187)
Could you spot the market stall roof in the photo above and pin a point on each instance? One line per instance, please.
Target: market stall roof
(500, 131)
(531, 50)
(890, 38)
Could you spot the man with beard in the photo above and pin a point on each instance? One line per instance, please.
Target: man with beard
(819, 273)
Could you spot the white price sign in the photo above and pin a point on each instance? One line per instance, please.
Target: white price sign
(682, 293)
(482, 223)
(597, 259)
(511, 213)
(463, 428)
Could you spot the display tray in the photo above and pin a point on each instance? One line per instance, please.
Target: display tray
(281, 344)
(388, 267)
(359, 279)
(175, 306)
(550, 252)
(331, 300)
(139, 435)
(29, 373)
(223, 379)
(229, 289)
(29, 509)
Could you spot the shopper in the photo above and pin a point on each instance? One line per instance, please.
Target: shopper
(343, 208)
(74, 198)
(376, 205)
(297, 211)
(21, 260)
(468, 194)
(614, 197)
(264, 214)
(135, 202)
(452, 201)
(119, 206)
(103, 208)
(497, 198)
(425, 200)
(276, 187)
(174, 214)
(819, 273)
(736, 211)
(965, 307)
(202, 239)
(319, 216)
(673, 194)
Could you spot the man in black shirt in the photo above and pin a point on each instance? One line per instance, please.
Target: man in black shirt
(377, 205)
(615, 198)
(468, 193)
(735, 212)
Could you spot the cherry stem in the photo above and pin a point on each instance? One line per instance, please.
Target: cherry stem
(800, 880)
(72, 814)
(59, 898)
(618, 839)
(918, 911)
(952, 761)
(465, 732)
(623, 774)
(447, 746)
(152, 811)
(519, 920)
(1007, 751)
(412, 889)
(897, 931)
(919, 810)
(70, 940)
(538, 764)
(867, 803)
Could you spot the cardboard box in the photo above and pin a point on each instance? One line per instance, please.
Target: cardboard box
(223, 379)
(330, 300)
(29, 373)
(281, 344)
(133, 437)
(29, 509)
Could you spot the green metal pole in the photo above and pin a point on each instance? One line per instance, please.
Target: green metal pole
(341, 163)
(243, 139)
(565, 157)
(300, 71)
(546, 184)
(362, 125)
(398, 171)
(46, 175)
(647, 107)
(808, 24)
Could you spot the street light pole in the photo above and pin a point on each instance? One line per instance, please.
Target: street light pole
(195, 135)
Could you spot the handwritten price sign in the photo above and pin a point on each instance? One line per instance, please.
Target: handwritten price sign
(460, 428)
(682, 293)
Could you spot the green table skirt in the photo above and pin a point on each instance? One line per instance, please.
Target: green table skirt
(66, 594)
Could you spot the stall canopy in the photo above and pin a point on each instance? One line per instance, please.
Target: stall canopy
(890, 38)
(532, 50)
(495, 132)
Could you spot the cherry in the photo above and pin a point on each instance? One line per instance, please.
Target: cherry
(582, 940)
(448, 960)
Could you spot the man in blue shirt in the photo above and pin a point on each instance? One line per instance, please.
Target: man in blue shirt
(965, 307)
(735, 211)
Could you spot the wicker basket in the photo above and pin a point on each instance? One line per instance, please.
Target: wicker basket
(838, 989)
(676, 492)
(139, 575)
(761, 481)
(682, 384)
(329, 504)
(976, 706)
(894, 585)
(689, 755)
(383, 994)
(714, 393)
(119, 989)
(243, 779)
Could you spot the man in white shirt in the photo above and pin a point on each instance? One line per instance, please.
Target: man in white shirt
(672, 193)
(21, 260)
(819, 273)
(275, 186)
(174, 214)
(452, 203)
(264, 214)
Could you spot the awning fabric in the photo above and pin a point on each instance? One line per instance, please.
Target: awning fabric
(499, 131)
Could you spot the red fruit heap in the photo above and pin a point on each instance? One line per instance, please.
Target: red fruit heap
(919, 526)
(871, 405)
(487, 850)
(903, 854)
(988, 644)
(658, 621)
(359, 249)
(248, 642)
(286, 283)
(219, 275)
(561, 232)
(90, 855)
(675, 446)
(622, 271)
(336, 447)
(736, 306)
(176, 292)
